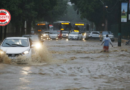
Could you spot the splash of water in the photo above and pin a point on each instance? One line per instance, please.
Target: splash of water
(38, 57)
(4, 58)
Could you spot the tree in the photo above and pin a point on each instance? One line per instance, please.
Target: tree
(95, 11)
(32, 10)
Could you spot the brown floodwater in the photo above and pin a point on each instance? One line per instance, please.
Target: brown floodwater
(68, 65)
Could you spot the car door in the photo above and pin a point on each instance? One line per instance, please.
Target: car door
(80, 36)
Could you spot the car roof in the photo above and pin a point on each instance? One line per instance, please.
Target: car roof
(30, 35)
(16, 38)
(65, 31)
(94, 31)
(74, 32)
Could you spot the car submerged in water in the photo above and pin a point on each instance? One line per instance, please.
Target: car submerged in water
(16, 46)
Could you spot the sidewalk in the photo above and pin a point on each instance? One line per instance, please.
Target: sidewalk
(123, 40)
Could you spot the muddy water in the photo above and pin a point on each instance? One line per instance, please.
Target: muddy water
(80, 65)
(38, 57)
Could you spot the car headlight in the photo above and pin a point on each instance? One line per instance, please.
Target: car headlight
(44, 34)
(1, 52)
(37, 45)
(26, 52)
(66, 34)
(85, 34)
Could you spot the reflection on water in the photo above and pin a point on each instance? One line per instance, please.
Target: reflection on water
(26, 68)
(67, 39)
(24, 72)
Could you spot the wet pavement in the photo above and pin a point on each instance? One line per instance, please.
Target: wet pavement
(74, 65)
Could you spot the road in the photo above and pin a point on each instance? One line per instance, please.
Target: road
(74, 65)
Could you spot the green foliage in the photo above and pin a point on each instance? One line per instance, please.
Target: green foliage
(34, 9)
(95, 11)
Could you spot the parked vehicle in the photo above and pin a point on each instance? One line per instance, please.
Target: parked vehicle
(94, 34)
(109, 33)
(75, 36)
(16, 46)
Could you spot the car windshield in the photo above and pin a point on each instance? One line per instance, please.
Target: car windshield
(65, 32)
(15, 43)
(54, 32)
(73, 33)
(95, 32)
(33, 37)
(46, 33)
(106, 32)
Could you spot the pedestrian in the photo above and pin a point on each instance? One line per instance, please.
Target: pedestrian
(106, 42)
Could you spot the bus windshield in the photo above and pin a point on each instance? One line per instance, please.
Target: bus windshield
(80, 28)
(62, 26)
(66, 27)
(43, 27)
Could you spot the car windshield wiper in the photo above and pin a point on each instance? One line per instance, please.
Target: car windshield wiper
(18, 45)
(8, 44)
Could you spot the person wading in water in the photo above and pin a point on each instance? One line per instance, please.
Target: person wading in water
(106, 42)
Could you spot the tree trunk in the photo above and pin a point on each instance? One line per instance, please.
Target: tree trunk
(17, 31)
(22, 29)
(5, 29)
(29, 26)
(1, 33)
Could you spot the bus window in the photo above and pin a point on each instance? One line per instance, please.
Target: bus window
(62, 25)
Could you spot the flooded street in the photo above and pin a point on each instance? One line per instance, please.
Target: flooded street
(74, 65)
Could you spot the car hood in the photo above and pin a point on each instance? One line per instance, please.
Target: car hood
(72, 35)
(14, 50)
(53, 34)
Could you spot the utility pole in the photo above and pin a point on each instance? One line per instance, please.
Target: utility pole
(119, 30)
(1, 33)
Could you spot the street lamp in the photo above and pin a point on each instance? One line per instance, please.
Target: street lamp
(106, 23)
(106, 6)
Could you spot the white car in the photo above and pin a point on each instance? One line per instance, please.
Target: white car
(53, 34)
(109, 33)
(75, 35)
(16, 46)
(45, 35)
(65, 34)
(94, 34)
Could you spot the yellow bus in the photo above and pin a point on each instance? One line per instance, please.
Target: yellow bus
(41, 27)
(80, 27)
(62, 25)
